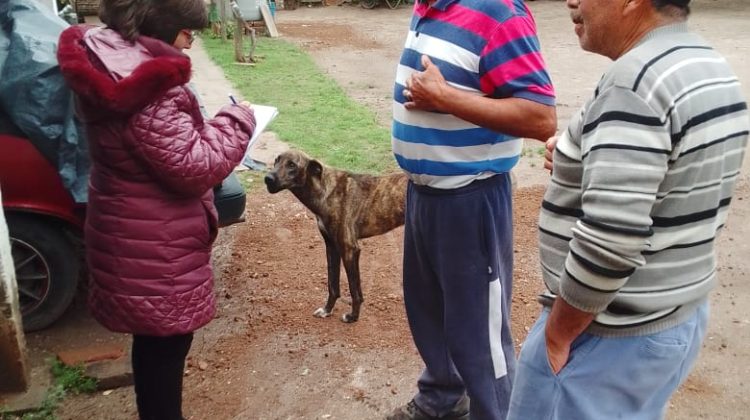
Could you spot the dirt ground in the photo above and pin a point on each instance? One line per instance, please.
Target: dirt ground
(266, 357)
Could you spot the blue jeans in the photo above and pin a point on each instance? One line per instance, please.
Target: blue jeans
(606, 378)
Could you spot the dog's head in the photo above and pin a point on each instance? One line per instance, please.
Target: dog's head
(292, 169)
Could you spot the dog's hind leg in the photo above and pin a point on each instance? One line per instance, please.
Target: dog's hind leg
(351, 265)
(334, 273)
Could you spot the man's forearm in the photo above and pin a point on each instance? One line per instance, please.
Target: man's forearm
(565, 322)
(514, 116)
(564, 325)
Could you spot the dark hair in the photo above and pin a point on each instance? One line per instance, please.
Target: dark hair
(682, 6)
(124, 16)
(160, 19)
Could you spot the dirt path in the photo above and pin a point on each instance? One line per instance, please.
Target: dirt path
(266, 357)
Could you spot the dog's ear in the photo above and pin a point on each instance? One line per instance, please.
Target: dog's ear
(314, 169)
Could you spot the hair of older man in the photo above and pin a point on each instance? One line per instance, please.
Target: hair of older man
(673, 8)
(160, 19)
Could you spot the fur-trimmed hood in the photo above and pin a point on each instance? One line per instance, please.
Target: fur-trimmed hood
(115, 75)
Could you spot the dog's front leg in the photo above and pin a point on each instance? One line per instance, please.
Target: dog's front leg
(351, 265)
(334, 273)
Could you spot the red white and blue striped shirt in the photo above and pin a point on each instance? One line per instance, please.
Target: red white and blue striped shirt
(486, 47)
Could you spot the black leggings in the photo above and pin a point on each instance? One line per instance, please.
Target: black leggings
(158, 365)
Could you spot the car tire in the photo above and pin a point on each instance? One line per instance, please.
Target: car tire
(47, 264)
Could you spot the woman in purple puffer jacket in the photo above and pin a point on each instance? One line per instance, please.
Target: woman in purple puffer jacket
(151, 220)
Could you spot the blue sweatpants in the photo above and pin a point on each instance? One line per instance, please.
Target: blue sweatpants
(458, 263)
(628, 378)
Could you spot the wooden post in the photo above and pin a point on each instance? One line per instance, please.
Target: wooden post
(239, 28)
(253, 41)
(239, 31)
(223, 17)
(14, 363)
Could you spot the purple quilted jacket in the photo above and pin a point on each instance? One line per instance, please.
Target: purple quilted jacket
(150, 219)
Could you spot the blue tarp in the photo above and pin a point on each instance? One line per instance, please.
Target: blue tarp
(34, 98)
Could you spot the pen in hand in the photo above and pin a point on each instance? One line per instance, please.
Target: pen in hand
(243, 103)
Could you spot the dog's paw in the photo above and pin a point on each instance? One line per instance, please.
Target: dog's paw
(349, 318)
(321, 313)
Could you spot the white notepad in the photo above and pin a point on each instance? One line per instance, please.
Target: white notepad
(264, 114)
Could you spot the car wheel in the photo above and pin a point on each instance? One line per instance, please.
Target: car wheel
(47, 268)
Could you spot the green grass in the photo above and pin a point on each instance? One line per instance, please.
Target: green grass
(315, 114)
(533, 151)
(67, 380)
(72, 378)
(251, 180)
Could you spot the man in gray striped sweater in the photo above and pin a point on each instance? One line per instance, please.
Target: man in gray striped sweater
(641, 185)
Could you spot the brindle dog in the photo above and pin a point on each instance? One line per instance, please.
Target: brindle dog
(348, 207)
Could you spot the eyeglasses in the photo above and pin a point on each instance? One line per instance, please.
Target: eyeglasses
(189, 34)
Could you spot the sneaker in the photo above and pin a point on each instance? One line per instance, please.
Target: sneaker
(411, 411)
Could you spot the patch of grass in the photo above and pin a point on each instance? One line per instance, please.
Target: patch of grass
(72, 378)
(251, 180)
(315, 114)
(47, 411)
(67, 380)
(532, 151)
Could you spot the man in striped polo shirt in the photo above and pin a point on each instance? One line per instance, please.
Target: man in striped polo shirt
(470, 84)
(641, 184)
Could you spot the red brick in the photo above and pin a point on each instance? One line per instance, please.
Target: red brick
(90, 354)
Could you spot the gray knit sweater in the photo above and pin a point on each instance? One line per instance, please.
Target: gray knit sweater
(641, 185)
